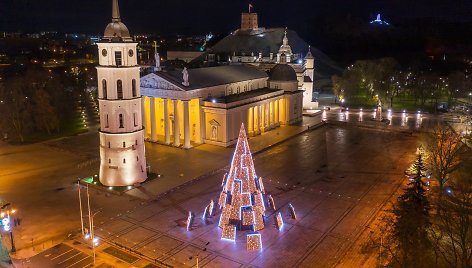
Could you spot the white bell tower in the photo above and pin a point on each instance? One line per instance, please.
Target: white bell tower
(308, 102)
(122, 156)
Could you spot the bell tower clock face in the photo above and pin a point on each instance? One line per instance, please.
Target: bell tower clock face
(131, 53)
(104, 52)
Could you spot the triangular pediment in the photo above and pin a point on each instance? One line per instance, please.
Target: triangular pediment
(154, 81)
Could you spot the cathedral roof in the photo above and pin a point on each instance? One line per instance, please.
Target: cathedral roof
(116, 31)
(283, 72)
(214, 76)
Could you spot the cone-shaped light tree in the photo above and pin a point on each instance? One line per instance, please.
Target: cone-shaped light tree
(242, 196)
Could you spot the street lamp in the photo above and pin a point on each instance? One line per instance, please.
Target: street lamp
(91, 233)
(6, 222)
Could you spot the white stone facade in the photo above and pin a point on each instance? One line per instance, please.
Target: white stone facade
(122, 151)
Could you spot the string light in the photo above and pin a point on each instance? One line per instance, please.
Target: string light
(242, 196)
(254, 241)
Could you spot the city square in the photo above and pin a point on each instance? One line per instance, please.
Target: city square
(249, 137)
(334, 202)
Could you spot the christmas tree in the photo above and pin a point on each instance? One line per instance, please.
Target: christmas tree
(242, 197)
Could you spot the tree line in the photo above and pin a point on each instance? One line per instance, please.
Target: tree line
(36, 101)
(368, 81)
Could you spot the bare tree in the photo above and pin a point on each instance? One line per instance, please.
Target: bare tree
(444, 147)
(15, 107)
(452, 228)
(44, 114)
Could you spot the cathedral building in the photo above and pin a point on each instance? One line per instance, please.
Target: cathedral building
(208, 104)
(122, 156)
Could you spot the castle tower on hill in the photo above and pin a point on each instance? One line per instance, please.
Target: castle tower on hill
(242, 197)
(249, 22)
(122, 156)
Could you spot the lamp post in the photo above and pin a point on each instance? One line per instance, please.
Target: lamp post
(80, 206)
(91, 233)
(6, 222)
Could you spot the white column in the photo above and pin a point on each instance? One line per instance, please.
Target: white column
(255, 121)
(250, 120)
(166, 123)
(153, 120)
(260, 117)
(272, 118)
(186, 126)
(277, 121)
(176, 125)
(263, 118)
(143, 115)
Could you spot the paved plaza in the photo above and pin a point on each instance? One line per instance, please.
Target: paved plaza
(336, 178)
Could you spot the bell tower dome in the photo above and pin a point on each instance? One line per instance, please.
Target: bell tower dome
(122, 152)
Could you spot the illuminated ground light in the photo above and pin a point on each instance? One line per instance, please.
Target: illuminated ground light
(254, 241)
(205, 213)
(211, 207)
(271, 201)
(292, 211)
(190, 219)
(279, 222)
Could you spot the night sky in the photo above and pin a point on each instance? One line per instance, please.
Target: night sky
(196, 17)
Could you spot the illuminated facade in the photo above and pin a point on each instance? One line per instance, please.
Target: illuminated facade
(242, 196)
(122, 156)
(216, 101)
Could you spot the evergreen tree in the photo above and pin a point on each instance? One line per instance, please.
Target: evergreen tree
(412, 221)
(4, 256)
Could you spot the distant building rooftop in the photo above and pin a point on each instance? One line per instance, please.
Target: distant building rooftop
(214, 76)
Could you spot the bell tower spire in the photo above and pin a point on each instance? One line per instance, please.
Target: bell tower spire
(115, 11)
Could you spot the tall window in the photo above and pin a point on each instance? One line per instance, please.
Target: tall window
(119, 89)
(121, 121)
(104, 88)
(133, 86)
(118, 58)
(107, 125)
(134, 117)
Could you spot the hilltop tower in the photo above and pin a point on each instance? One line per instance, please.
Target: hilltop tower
(122, 156)
(249, 22)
